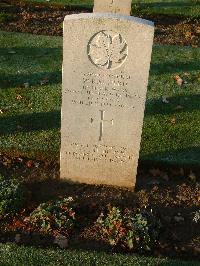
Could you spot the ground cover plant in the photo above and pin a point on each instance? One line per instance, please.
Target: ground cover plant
(170, 229)
(160, 218)
(197, 216)
(47, 219)
(57, 217)
(4, 17)
(136, 231)
(13, 195)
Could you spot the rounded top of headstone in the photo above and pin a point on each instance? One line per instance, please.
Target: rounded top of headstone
(111, 16)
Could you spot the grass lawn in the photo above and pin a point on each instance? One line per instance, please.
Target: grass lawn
(30, 99)
(190, 8)
(11, 254)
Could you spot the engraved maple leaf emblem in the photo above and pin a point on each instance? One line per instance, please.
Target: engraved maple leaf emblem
(108, 50)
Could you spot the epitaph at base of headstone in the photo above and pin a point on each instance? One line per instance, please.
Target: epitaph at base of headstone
(105, 75)
(122, 7)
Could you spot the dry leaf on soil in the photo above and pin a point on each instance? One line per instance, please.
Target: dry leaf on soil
(155, 172)
(61, 241)
(17, 238)
(173, 121)
(19, 97)
(192, 176)
(179, 80)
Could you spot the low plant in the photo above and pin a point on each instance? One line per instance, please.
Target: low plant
(53, 216)
(135, 231)
(196, 218)
(5, 17)
(13, 195)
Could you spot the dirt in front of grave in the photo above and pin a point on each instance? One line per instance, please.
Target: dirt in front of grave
(47, 20)
(171, 192)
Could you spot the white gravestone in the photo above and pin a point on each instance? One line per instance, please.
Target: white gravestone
(105, 76)
(113, 6)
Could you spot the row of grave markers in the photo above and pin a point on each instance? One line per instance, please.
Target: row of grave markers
(106, 61)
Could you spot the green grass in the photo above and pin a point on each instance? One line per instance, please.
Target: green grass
(28, 58)
(13, 255)
(190, 8)
(185, 8)
(30, 117)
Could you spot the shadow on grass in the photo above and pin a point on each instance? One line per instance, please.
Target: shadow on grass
(33, 79)
(30, 51)
(50, 120)
(186, 157)
(30, 122)
(26, 61)
(174, 67)
(176, 104)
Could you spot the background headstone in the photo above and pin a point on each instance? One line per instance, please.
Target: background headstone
(105, 76)
(113, 6)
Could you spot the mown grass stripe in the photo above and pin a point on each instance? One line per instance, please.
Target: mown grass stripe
(30, 100)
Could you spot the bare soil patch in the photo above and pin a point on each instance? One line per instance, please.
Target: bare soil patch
(172, 193)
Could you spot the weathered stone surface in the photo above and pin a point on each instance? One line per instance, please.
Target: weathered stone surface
(113, 6)
(105, 76)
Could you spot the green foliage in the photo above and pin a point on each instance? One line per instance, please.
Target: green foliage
(196, 218)
(54, 215)
(5, 17)
(137, 231)
(12, 195)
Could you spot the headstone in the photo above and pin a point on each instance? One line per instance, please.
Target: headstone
(105, 75)
(113, 6)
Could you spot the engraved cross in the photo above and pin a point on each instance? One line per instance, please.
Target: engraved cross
(102, 124)
(111, 3)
